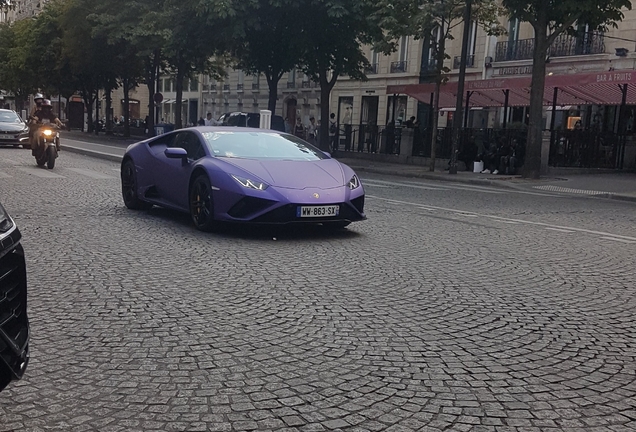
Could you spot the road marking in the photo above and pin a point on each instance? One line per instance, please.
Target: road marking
(466, 187)
(521, 221)
(552, 188)
(40, 172)
(94, 144)
(4, 175)
(383, 183)
(367, 184)
(91, 174)
(560, 230)
(618, 240)
(467, 215)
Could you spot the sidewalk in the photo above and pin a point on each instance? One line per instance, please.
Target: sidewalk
(615, 185)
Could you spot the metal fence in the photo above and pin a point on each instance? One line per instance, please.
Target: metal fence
(587, 149)
(369, 138)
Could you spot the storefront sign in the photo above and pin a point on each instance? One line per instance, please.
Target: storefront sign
(614, 76)
(515, 70)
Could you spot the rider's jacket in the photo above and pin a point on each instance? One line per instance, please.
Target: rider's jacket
(41, 114)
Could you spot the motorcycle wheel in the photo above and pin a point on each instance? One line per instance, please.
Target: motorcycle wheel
(51, 154)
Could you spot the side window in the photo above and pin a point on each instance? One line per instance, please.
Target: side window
(191, 143)
(233, 120)
(163, 140)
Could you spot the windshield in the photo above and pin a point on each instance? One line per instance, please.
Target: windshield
(261, 145)
(9, 117)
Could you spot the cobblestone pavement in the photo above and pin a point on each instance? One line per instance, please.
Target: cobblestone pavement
(452, 308)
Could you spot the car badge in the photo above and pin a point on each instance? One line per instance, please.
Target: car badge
(316, 195)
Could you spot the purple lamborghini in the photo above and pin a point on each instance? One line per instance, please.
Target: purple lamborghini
(225, 174)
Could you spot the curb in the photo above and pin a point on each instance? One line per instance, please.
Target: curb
(617, 197)
(423, 175)
(92, 153)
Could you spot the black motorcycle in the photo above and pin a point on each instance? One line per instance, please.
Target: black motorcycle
(47, 138)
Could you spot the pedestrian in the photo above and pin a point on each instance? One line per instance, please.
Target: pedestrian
(288, 126)
(311, 130)
(209, 121)
(333, 133)
(201, 122)
(299, 130)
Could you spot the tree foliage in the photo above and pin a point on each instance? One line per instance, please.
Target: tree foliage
(549, 19)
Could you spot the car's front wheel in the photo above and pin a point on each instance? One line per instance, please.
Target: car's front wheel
(202, 204)
(129, 187)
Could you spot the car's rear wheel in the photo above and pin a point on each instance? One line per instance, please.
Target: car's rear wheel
(201, 204)
(129, 187)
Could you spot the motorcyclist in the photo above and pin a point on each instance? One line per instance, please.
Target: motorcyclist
(38, 98)
(39, 117)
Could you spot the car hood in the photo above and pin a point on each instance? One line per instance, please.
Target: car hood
(324, 173)
(12, 127)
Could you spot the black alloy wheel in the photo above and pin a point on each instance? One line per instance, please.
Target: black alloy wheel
(202, 205)
(129, 187)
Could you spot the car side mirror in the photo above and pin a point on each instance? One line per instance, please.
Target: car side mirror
(176, 153)
(327, 154)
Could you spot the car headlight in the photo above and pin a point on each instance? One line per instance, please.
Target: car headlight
(47, 132)
(5, 221)
(250, 184)
(354, 183)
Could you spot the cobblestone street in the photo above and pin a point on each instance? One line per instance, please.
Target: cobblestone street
(453, 307)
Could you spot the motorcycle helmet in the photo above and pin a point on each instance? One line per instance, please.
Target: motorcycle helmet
(46, 103)
(39, 96)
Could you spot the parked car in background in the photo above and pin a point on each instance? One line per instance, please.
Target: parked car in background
(13, 130)
(14, 323)
(252, 120)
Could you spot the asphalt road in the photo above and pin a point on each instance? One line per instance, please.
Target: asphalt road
(454, 307)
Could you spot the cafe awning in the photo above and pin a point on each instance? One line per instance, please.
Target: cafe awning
(599, 88)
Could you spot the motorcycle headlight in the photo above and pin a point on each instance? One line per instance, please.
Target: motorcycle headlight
(47, 132)
(354, 183)
(250, 184)
(5, 221)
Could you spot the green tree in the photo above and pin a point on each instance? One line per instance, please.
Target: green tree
(434, 21)
(331, 34)
(17, 74)
(268, 44)
(549, 19)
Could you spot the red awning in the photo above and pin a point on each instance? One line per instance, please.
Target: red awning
(601, 88)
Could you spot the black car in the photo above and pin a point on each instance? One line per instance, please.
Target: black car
(251, 120)
(13, 130)
(14, 323)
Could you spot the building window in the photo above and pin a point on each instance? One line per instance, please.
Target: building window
(404, 46)
(291, 79)
(513, 30)
(194, 85)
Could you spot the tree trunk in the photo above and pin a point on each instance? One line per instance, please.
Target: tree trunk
(272, 84)
(325, 94)
(126, 84)
(109, 116)
(87, 95)
(532, 164)
(97, 112)
(435, 109)
(178, 120)
(151, 82)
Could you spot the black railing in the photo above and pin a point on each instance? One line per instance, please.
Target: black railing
(470, 62)
(587, 149)
(306, 84)
(239, 87)
(226, 87)
(398, 66)
(212, 87)
(256, 86)
(372, 69)
(368, 138)
(291, 85)
(563, 46)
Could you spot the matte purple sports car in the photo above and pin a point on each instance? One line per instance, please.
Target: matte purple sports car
(225, 174)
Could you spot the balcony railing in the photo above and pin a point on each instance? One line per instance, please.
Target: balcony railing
(398, 67)
(291, 85)
(239, 87)
(256, 86)
(470, 62)
(372, 69)
(226, 87)
(563, 46)
(306, 84)
(212, 87)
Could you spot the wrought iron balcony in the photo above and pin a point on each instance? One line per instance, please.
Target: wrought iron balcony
(470, 62)
(239, 87)
(564, 45)
(372, 69)
(256, 86)
(212, 87)
(398, 67)
(306, 84)
(226, 87)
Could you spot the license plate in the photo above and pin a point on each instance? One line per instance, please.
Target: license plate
(6, 136)
(317, 211)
